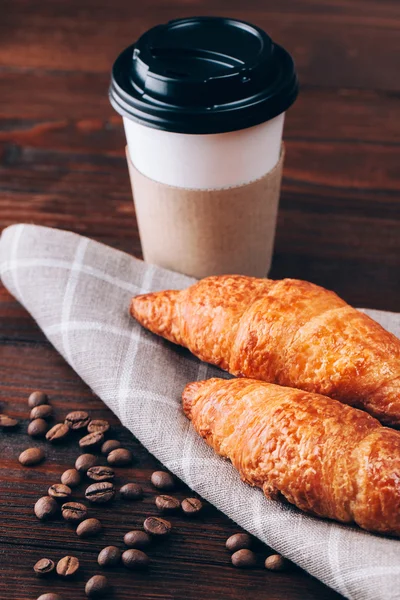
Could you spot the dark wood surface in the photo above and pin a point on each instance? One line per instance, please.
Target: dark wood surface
(62, 164)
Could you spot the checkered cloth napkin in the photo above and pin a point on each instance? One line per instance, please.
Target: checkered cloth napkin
(79, 291)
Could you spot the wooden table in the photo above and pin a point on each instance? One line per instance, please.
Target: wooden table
(62, 164)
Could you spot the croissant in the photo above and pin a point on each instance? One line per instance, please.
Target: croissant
(326, 458)
(288, 332)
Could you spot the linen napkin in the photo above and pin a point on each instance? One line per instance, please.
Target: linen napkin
(79, 292)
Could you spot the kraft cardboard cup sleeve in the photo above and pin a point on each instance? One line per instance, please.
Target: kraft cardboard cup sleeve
(203, 103)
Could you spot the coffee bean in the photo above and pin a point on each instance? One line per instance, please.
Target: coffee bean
(67, 566)
(74, 511)
(8, 422)
(50, 596)
(84, 462)
(135, 560)
(98, 425)
(37, 398)
(191, 506)
(78, 419)
(97, 587)
(57, 433)
(31, 457)
(71, 477)
(137, 539)
(120, 457)
(44, 411)
(89, 528)
(43, 567)
(109, 446)
(45, 508)
(238, 541)
(101, 492)
(37, 428)
(131, 491)
(163, 480)
(91, 440)
(244, 559)
(100, 473)
(109, 556)
(276, 562)
(157, 527)
(167, 503)
(59, 490)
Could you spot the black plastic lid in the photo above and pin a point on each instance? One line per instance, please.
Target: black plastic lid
(203, 75)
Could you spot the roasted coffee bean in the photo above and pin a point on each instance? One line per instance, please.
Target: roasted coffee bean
(89, 528)
(137, 539)
(71, 477)
(74, 511)
(120, 457)
(92, 440)
(167, 503)
(131, 491)
(37, 428)
(67, 566)
(84, 462)
(50, 596)
(109, 446)
(43, 567)
(109, 556)
(57, 433)
(100, 473)
(163, 480)
(135, 560)
(276, 562)
(37, 399)
(157, 527)
(238, 541)
(98, 425)
(78, 419)
(45, 508)
(191, 506)
(43, 411)
(31, 457)
(8, 422)
(101, 492)
(59, 490)
(244, 559)
(97, 587)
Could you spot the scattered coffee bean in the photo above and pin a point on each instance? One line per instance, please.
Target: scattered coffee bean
(43, 411)
(238, 541)
(276, 562)
(120, 457)
(191, 506)
(97, 587)
(167, 503)
(78, 419)
(92, 440)
(8, 422)
(163, 480)
(109, 556)
(84, 462)
(137, 539)
(37, 428)
(57, 433)
(101, 492)
(131, 491)
(59, 490)
(31, 457)
(43, 567)
(74, 511)
(109, 446)
(100, 473)
(37, 398)
(45, 508)
(67, 566)
(89, 528)
(135, 559)
(71, 477)
(244, 559)
(99, 425)
(157, 527)
(50, 596)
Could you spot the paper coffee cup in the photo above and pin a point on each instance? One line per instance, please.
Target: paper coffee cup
(203, 103)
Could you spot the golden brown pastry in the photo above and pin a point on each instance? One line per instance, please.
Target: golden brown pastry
(326, 458)
(288, 332)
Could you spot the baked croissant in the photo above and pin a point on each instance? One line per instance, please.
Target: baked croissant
(326, 458)
(289, 332)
